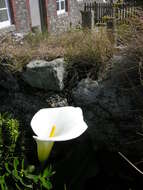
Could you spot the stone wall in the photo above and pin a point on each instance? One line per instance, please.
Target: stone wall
(21, 15)
(63, 22)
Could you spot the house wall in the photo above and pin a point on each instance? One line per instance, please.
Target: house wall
(35, 13)
(21, 15)
(24, 15)
(63, 22)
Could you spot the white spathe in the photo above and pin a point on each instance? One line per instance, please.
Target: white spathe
(69, 124)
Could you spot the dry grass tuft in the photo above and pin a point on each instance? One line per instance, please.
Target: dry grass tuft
(82, 47)
(88, 52)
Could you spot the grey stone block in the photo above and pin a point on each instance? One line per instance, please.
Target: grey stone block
(45, 75)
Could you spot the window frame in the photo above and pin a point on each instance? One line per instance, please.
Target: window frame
(7, 22)
(61, 11)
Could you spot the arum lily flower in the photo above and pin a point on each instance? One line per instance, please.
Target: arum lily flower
(56, 124)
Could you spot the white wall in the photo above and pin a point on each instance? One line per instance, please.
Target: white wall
(35, 13)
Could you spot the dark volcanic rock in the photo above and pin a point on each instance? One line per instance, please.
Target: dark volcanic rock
(112, 107)
(7, 81)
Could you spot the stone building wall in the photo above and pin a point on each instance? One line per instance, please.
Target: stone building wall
(55, 23)
(21, 15)
(63, 22)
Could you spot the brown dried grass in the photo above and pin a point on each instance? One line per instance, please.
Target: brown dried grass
(75, 46)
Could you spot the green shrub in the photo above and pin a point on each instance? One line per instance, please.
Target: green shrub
(131, 36)
(16, 176)
(9, 132)
(14, 173)
(131, 30)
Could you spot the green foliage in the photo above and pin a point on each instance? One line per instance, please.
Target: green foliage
(118, 4)
(131, 36)
(9, 132)
(14, 173)
(19, 178)
(12, 126)
(132, 30)
(107, 18)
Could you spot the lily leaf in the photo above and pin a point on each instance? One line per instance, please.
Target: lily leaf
(15, 163)
(7, 168)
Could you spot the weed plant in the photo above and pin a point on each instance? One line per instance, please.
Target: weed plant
(14, 173)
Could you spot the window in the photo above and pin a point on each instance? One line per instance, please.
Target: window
(61, 6)
(4, 14)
